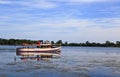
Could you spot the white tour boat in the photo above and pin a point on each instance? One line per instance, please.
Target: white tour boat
(42, 50)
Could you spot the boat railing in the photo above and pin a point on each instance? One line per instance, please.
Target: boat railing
(26, 45)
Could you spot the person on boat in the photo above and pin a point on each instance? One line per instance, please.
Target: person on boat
(38, 44)
(15, 59)
(38, 58)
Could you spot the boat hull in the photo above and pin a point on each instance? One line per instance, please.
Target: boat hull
(38, 51)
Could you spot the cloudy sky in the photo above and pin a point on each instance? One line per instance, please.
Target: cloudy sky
(68, 20)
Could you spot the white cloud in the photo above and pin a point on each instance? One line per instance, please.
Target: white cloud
(111, 10)
(83, 1)
(67, 29)
(39, 4)
(43, 4)
(4, 2)
(88, 0)
(62, 23)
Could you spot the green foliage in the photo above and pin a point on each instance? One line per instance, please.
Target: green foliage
(15, 41)
(66, 43)
(117, 43)
(93, 44)
(52, 42)
(59, 42)
(87, 43)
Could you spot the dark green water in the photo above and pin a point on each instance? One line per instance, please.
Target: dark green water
(74, 62)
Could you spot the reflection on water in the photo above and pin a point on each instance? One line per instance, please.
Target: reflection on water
(74, 62)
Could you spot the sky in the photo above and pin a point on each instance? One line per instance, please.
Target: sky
(66, 20)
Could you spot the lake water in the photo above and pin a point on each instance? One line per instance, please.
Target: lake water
(74, 62)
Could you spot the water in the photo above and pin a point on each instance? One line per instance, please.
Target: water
(74, 62)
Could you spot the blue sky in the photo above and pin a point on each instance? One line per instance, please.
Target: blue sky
(68, 20)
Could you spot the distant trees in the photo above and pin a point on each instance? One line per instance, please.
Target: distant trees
(117, 43)
(52, 42)
(93, 44)
(66, 43)
(15, 41)
(59, 42)
(109, 44)
(87, 43)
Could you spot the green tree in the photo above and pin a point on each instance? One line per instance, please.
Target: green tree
(59, 42)
(66, 43)
(117, 43)
(11, 41)
(52, 42)
(109, 44)
(87, 43)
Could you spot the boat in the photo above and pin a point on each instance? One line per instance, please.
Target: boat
(39, 50)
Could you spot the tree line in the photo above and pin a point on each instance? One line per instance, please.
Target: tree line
(87, 43)
(94, 44)
(15, 41)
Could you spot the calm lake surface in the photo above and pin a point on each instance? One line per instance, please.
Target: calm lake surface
(74, 62)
